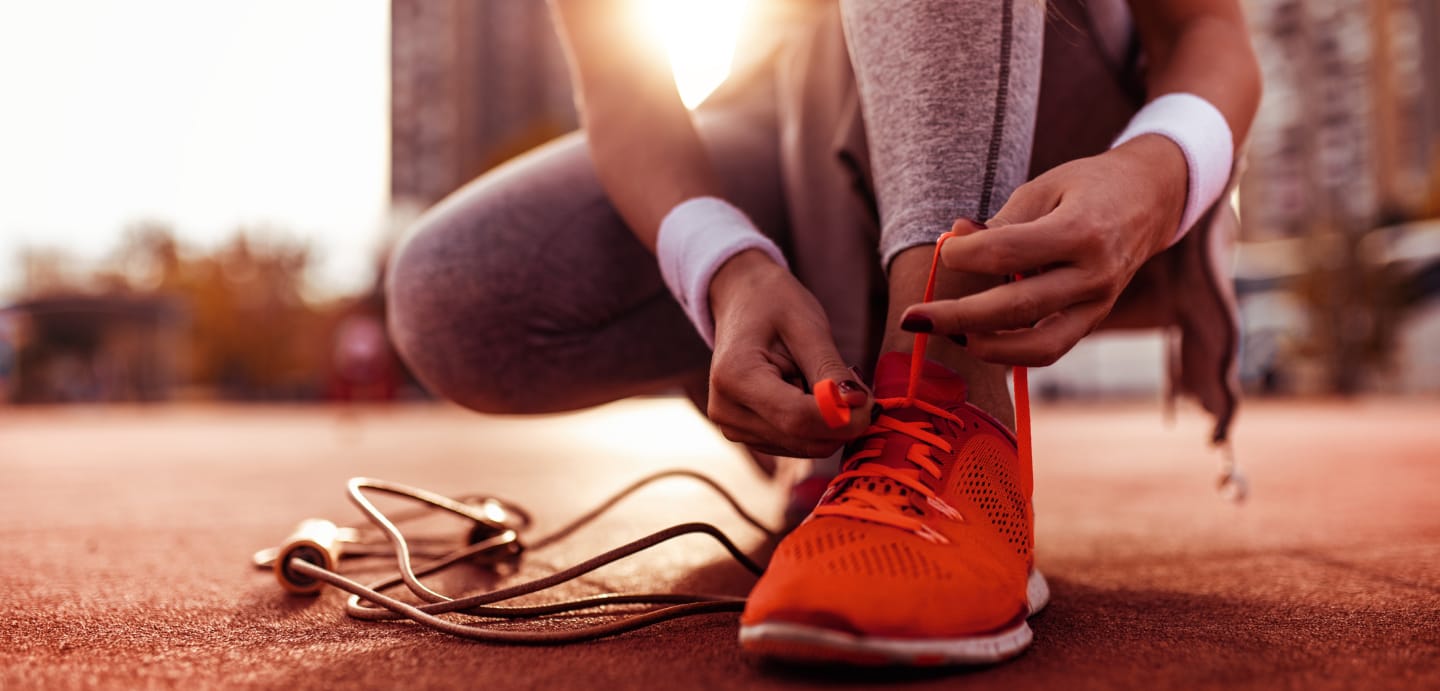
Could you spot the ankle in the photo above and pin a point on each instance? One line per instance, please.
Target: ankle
(986, 385)
(985, 382)
(994, 400)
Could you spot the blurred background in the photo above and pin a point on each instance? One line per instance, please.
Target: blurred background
(196, 199)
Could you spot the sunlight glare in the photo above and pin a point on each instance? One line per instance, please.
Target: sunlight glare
(699, 36)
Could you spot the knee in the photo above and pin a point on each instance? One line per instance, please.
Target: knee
(450, 316)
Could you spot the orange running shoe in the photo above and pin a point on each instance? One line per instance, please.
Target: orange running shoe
(920, 551)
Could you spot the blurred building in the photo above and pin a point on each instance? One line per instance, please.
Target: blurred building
(155, 321)
(473, 82)
(89, 348)
(9, 350)
(1350, 128)
(1342, 170)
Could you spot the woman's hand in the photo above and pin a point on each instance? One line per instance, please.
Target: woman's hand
(771, 335)
(1084, 229)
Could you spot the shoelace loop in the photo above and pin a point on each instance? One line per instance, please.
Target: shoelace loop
(867, 505)
(877, 508)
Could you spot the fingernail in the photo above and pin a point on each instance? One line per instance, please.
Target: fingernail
(978, 225)
(917, 323)
(959, 339)
(849, 386)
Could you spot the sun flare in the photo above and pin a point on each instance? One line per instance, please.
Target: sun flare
(699, 36)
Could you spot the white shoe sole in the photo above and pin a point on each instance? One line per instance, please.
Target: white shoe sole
(799, 642)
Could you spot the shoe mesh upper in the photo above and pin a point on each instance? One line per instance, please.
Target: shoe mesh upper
(853, 553)
(984, 476)
(879, 557)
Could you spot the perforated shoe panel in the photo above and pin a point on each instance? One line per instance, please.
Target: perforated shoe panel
(849, 552)
(924, 536)
(985, 472)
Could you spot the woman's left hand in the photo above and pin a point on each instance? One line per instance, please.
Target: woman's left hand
(1082, 229)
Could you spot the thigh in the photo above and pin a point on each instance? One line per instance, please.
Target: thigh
(525, 291)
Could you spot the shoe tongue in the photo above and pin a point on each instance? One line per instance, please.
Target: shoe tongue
(938, 384)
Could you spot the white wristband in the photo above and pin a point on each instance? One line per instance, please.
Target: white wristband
(1202, 134)
(696, 238)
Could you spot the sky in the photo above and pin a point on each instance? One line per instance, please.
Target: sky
(205, 115)
(212, 116)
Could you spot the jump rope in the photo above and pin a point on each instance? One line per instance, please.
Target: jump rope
(310, 558)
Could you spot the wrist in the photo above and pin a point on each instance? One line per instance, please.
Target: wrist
(1161, 163)
(744, 270)
(696, 240)
(1203, 136)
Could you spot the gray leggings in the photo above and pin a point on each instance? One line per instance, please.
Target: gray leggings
(524, 292)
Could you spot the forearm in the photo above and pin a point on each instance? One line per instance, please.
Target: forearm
(648, 163)
(644, 146)
(1202, 47)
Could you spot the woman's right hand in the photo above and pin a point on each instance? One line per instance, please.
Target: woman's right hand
(772, 337)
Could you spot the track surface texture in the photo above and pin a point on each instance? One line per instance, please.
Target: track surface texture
(127, 532)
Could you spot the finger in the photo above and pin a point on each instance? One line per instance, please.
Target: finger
(1016, 248)
(762, 404)
(1030, 201)
(965, 226)
(773, 450)
(739, 424)
(1017, 305)
(1042, 345)
(834, 408)
(814, 350)
(858, 395)
(853, 393)
(799, 421)
(819, 449)
(746, 427)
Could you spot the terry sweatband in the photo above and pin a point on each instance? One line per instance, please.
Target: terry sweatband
(696, 238)
(1202, 134)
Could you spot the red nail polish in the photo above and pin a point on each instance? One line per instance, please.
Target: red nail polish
(917, 323)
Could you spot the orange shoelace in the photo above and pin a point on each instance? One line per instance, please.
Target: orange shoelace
(863, 501)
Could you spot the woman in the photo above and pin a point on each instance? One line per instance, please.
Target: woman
(791, 223)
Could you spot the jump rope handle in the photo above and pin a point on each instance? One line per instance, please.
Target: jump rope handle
(316, 541)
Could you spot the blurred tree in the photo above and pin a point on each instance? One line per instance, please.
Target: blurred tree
(252, 334)
(245, 330)
(1340, 155)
